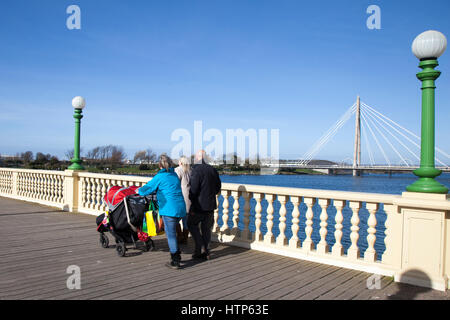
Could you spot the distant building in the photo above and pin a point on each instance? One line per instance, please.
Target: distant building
(8, 157)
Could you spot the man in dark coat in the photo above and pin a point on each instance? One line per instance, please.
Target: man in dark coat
(205, 185)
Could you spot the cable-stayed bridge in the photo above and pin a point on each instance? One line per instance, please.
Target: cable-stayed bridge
(334, 168)
(380, 134)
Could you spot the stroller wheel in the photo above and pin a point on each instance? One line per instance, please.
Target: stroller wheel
(104, 241)
(120, 248)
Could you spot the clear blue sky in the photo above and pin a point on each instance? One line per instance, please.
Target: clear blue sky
(147, 68)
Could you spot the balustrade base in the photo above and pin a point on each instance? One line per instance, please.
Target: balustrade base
(337, 251)
(294, 244)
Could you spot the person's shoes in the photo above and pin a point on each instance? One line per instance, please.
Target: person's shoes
(199, 256)
(174, 261)
(173, 265)
(206, 255)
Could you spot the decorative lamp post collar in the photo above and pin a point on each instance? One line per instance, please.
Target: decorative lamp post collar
(78, 103)
(428, 47)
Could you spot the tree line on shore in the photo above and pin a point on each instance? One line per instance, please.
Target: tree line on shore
(108, 158)
(113, 159)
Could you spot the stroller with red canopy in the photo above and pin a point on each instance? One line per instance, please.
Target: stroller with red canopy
(124, 219)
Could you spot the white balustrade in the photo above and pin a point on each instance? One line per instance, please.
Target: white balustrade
(258, 208)
(370, 254)
(268, 237)
(338, 249)
(281, 239)
(225, 228)
(42, 186)
(245, 233)
(308, 244)
(94, 187)
(6, 182)
(216, 216)
(235, 230)
(353, 251)
(316, 204)
(322, 246)
(294, 242)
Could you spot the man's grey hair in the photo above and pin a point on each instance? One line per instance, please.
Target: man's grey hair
(199, 156)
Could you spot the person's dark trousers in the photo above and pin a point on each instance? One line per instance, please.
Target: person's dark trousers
(200, 226)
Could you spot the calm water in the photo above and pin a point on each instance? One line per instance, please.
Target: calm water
(374, 183)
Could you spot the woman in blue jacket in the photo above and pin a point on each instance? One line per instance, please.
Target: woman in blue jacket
(171, 204)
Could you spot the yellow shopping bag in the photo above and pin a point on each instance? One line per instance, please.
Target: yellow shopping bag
(153, 224)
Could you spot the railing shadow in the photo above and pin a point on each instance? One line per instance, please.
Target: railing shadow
(26, 213)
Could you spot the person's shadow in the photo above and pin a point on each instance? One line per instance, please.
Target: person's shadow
(408, 291)
(218, 250)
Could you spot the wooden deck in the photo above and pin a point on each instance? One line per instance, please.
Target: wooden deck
(39, 243)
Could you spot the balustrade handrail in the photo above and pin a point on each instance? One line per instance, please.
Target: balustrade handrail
(54, 172)
(285, 191)
(114, 176)
(313, 193)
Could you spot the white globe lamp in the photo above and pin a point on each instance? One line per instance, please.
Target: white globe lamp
(430, 44)
(78, 102)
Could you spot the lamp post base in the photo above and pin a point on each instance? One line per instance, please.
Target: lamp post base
(76, 166)
(427, 185)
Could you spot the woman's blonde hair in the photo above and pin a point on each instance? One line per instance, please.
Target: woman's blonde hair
(185, 164)
(165, 162)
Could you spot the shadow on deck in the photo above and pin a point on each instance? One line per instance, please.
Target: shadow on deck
(39, 244)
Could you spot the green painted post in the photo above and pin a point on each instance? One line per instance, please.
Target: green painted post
(427, 171)
(78, 104)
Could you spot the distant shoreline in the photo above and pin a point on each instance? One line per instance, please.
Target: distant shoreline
(221, 172)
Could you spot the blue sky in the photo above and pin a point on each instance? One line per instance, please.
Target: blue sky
(147, 68)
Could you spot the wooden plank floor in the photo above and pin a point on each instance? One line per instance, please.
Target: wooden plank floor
(39, 243)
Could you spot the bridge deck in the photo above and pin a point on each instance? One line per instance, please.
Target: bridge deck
(39, 243)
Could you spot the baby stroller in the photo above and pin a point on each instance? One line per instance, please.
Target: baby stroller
(124, 219)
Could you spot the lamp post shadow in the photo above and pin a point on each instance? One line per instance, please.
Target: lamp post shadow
(412, 292)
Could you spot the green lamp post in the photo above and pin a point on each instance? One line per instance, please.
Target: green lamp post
(428, 47)
(78, 103)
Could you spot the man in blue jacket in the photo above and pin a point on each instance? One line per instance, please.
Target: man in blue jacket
(205, 185)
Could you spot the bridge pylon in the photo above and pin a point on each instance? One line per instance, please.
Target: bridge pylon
(357, 148)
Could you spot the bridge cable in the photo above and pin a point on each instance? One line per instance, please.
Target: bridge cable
(307, 157)
(375, 138)
(385, 138)
(399, 132)
(406, 130)
(369, 148)
(376, 114)
(324, 139)
(386, 129)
